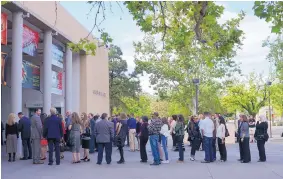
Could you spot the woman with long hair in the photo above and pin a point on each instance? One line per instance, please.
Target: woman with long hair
(220, 134)
(143, 139)
(85, 136)
(43, 141)
(195, 135)
(261, 136)
(12, 136)
(121, 134)
(245, 154)
(75, 137)
(165, 132)
(180, 132)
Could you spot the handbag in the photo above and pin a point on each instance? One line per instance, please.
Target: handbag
(226, 132)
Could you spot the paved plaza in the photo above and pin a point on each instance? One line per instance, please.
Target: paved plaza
(133, 169)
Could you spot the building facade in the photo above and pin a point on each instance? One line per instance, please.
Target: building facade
(39, 70)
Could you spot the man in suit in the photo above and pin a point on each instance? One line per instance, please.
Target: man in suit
(24, 128)
(53, 132)
(36, 135)
(104, 134)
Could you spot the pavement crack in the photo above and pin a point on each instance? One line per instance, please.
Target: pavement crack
(211, 176)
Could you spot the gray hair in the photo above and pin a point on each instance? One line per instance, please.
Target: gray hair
(53, 111)
(262, 118)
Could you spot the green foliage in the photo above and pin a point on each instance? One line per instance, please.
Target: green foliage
(270, 11)
(121, 85)
(248, 96)
(139, 106)
(276, 96)
(4, 2)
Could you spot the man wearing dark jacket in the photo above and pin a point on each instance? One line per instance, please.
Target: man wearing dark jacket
(53, 132)
(24, 128)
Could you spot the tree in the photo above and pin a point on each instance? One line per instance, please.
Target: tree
(276, 96)
(249, 96)
(139, 106)
(275, 55)
(270, 11)
(120, 84)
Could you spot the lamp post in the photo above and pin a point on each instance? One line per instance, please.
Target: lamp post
(269, 83)
(196, 83)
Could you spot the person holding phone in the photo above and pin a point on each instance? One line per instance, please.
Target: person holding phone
(220, 134)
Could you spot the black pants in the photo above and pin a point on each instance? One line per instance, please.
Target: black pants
(27, 148)
(174, 139)
(213, 149)
(121, 151)
(143, 142)
(245, 150)
(108, 151)
(222, 149)
(195, 145)
(261, 150)
(51, 143)
(128, 143)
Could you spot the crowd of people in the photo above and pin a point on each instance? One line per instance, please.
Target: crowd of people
(95, 133)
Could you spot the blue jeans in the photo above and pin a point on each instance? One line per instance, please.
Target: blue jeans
(208, 149)
(154, 148)
(164, 145)
(91, 144)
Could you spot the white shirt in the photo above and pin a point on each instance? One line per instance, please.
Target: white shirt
(207, 126)
(99, 119)
(220, 133)
(165, 130)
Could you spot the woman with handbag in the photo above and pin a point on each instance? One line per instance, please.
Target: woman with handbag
(85, 136)
(180, 132)
(121, 134)
(261, 136)
(75, 134)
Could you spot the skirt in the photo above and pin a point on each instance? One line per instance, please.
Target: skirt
(85, 143)
(11, 143)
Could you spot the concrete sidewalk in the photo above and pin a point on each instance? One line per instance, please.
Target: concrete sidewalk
(133, 169)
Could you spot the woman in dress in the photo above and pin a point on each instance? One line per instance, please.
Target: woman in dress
(245, 154)
(43, 141)
(85, 136)
(143, 139)
(180, 132)
(12, 136)
(165, 132)
(121, 134)
(75, 137)
(261, 136)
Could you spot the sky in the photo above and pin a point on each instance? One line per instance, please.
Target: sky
(124, 31)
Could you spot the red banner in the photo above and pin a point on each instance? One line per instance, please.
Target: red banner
(4, 28)
(30, 41)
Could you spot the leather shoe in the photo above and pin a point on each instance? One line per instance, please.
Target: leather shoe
(23, 158)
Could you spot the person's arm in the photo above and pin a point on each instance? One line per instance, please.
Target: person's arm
(38, 125)
(61, 129)
(17, 130)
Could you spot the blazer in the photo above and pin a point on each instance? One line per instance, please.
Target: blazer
(36, 127)
(53, 128)
(104, 131)
(25, 127)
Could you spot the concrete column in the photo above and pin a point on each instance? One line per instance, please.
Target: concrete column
(16, 69)
(76, 83)
(68, 82)
(47, 71)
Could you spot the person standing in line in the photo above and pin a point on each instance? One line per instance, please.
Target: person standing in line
(201, 118)
(68, 122)
(154, 131)
(75, 137)
(115, 121)
(214, 138)
(143, 139)
(85, 136)
(221, 130)
(165, 132)
(24, 128)
(180, 132)
(195, 136)
(2, 130)
(132, 124)
(43, 141)
(245, 154)
(120, 138)
(53, 132)
(62, 142)
(207, 128)
(138, 129)
(36, 136)
(172, 130)
(252, 128)
(92, 138)
(261, 136)
(104, 134)
(12, 136)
